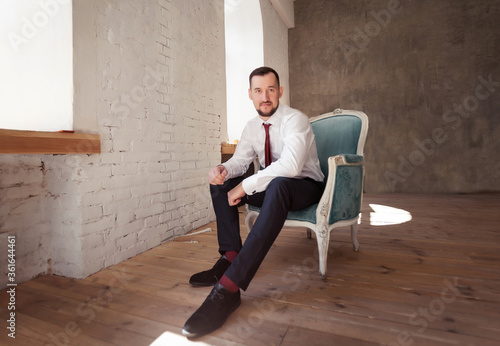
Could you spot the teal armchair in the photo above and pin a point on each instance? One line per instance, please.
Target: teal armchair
(340, 139)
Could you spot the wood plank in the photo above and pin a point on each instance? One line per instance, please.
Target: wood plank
(434, 280)
(297, 336)
(39, 142)
(43, 332)
(90, 320)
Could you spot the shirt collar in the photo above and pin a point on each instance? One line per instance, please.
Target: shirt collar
(275, 119)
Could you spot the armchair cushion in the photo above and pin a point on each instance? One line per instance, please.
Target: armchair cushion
(308, 214)
(346, 202)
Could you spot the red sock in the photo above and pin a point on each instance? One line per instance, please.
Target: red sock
(231, 255)
(228, 284)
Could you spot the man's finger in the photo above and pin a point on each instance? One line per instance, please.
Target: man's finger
(234, 202)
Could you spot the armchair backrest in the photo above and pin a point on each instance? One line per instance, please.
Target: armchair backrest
(339, 132)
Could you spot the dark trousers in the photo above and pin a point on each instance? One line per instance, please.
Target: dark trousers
(282, 195)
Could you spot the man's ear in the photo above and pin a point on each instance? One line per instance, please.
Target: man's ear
(250, 94)
(281, 91)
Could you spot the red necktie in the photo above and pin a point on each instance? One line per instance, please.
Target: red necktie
(267, 148)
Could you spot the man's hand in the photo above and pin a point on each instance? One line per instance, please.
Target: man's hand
(234, 196)
(217, 175)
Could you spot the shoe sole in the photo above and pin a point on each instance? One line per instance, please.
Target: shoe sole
(202, 284)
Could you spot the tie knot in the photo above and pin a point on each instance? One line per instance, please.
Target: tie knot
(266, 126)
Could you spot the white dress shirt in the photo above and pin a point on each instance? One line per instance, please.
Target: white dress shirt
(292, 146)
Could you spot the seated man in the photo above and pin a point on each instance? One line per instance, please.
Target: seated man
(292, 180)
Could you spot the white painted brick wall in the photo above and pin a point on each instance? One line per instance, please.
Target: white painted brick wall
(160, 100)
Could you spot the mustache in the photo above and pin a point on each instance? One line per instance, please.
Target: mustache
(261, 113)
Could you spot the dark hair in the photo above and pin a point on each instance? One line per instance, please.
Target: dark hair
(262, 71)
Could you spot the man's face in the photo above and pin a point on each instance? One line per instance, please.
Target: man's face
(265, 94)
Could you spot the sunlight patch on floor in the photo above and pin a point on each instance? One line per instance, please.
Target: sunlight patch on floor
(170, 339)
(384, 215)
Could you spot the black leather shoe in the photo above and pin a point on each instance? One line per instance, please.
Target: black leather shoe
(212, 276)
(212, 314)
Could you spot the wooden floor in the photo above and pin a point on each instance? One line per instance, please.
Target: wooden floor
(431, 280)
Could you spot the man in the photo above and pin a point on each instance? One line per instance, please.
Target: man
(291, 180)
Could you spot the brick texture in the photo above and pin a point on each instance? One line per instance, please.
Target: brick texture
(160, 102)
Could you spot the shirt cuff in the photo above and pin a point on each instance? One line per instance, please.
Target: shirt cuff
(250, 185)
(228, 176)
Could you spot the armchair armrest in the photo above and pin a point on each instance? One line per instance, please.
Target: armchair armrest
(347, 159)
(341, 199)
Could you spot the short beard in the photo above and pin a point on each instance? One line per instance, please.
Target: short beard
(262, 114)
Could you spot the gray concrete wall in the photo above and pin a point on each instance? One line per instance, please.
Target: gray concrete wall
(426, 73)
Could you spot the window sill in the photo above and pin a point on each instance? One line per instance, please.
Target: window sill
(34, 142)
(227, 148)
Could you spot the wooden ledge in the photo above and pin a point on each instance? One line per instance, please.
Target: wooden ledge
(227, 148)
(35, 142)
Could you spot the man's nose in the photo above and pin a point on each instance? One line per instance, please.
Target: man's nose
(265, 96)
